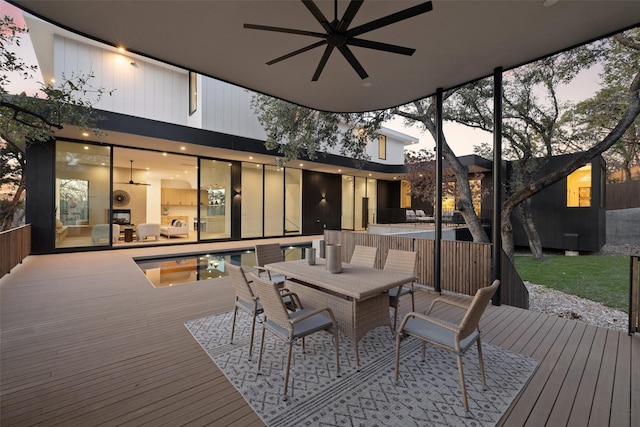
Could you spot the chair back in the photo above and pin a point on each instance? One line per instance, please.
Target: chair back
(268, 253)
(401, 261)
(364, 255)
(476, 309)
(271, 300)
(240, 283)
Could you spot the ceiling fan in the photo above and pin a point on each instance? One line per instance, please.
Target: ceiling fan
(338, 35)
(131, 178)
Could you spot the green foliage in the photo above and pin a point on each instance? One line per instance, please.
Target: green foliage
(28, 119)
(599, 278)
(299, 132)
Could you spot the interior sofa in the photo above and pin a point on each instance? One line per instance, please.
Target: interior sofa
(144, 231)
(177, 228)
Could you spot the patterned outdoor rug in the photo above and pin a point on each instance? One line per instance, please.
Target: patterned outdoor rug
(428, 393)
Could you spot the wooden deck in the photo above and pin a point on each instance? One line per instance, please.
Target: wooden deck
(86, 340)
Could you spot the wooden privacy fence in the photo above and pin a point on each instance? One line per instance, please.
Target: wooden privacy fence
(623, 195)
(15, 245)
(465, 266)
(634, 296)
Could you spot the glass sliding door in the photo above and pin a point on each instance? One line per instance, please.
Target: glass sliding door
(215, 207)
(347, 202)
(252, 200)
(372, 195)
(293, 201)
(274, 201)
(360, 190)
(82, 195)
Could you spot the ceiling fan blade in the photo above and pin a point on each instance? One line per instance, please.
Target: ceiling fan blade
(351, 11)
(284, 30)
(323, 62)
(368, 44)
(318, 15)
(390, 19)
(296, 52)
(350, 57)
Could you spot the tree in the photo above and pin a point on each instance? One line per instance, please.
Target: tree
(33, 119)
(597, 115)
(423, 112)
(299, 132)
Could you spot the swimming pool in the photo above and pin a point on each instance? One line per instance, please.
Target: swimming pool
(188, 268)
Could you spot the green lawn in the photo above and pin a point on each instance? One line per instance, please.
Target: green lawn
(598, 278)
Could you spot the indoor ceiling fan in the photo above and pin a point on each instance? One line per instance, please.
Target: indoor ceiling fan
(337, 34)
(131, 178)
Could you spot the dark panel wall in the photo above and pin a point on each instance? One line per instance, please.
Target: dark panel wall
(388, 194)
(236, 200)
(562, 227)
(319, 213)
(40, 205)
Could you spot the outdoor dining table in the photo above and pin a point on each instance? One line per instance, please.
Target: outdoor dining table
(357, 296)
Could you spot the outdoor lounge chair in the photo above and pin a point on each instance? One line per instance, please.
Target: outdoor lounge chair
(267, 254)
(364, 255)
(402, 262)
(289, 326)
(422, 217)
(410, 215)
(457, 338)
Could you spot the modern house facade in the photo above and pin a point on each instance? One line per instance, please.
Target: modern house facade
(179, 147)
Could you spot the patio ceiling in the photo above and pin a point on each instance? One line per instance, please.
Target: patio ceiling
(456, 42)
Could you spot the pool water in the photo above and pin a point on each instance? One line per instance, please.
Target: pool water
(189, 268)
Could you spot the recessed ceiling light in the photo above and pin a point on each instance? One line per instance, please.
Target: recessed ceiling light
(86, 148)
(183, 148)
(301, 165)
(250, 157)
(367, 84)
(339, 170)
(164, 154)
(121, 49)
(548, 3)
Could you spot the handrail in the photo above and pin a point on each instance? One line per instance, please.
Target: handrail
(15, 245)
(634, 295)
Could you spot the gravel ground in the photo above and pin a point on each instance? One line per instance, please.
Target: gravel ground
(550, 301)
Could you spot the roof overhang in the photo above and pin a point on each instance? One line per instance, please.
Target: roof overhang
(457, 42)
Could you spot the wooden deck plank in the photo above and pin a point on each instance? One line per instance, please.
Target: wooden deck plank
(561, 412)
(635, 380)
(601, 406)
(621, 398)
(85, 343)
(581, 411)
(551, 392)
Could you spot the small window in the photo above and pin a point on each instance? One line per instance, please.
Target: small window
(193, 92)
(382, 147)
(579, 187)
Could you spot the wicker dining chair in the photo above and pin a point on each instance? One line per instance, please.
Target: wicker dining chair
(364, 256)
(246, 300)
(450, 336)
(401, 262)
(289, 326)
(267, 254)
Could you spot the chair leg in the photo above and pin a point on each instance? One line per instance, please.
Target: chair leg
(337, 349)
(355, 347)
(481, 362)
(424, 351)
(286, 374)
(261, 348)
(233, 324)
(413, 300)
(253, 328)
(398, 338)
(462, 386)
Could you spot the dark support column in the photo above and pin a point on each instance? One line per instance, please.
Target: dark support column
(438, 207)
(496, 265)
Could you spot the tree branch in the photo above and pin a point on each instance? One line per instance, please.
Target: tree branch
(17, 110)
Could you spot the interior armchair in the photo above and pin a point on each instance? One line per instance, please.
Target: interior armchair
(144, 231)
(457, 338)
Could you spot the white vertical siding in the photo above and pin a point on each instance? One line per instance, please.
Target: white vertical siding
(227, 109)
(144, 90)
